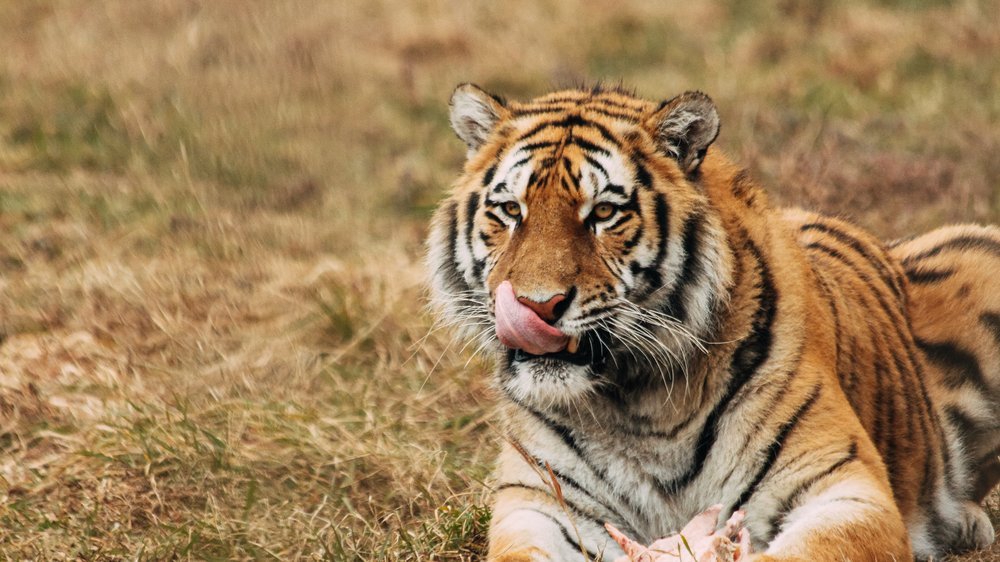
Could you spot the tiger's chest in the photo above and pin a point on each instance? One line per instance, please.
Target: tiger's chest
(648, 482)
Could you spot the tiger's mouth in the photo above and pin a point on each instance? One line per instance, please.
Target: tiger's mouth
(586, 350)
(529, 337)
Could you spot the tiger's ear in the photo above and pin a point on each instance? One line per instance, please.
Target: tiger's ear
(684, 127)
(474, 113)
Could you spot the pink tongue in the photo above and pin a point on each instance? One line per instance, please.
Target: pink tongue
(518, 326)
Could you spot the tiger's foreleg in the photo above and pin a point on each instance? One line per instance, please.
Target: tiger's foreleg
(852, 518)
(535, 518)
(529, 525)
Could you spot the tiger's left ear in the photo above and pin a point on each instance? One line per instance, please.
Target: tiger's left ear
(684, 127)
(474, 114)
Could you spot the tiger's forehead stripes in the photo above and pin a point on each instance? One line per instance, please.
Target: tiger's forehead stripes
(573, 122)
(567, 149)
(583, 168)
(607, 104)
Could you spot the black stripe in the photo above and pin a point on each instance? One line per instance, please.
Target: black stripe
(786, 505)
(520, 162)
(571, 121)
(750, 355)
(849, 367)
(924, 419)
(605, 100)
(612, 114)
(568, 167)
(566, 480)
(565, 184)
(898, 321)
(642, 175)
(923, 276)
(623, 217)
(963, 422)
(913, 371)
(471, 206)
(615, 188)
(742, 187)
(493, 217)
(692, 249)
(565, 533)
(537, 129)
(636, 237)
(638, 107)
(753, 351)
(541, 110)
(942, 534)
(594, 163)
(633, 202)
(453, 277)
(883, 270)
(605, 133)
(931, 424)
(534, 146)
(488, 176)
(991, 320)
(533, 177)
(889, 450)
(893, 312)
(574, 98)
(661, 213)
(957, 365)
(589, 146)
(917, 377)
(878, 427)
(911, 404)
(566, 435)
(579, 511)
(775, 447)
(832, 304)
(987, 245)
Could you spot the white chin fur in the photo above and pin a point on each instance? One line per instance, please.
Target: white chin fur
(543, 383)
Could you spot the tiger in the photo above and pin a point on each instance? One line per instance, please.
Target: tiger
(667, 340)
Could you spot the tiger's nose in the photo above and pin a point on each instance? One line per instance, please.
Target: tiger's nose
(550, 310)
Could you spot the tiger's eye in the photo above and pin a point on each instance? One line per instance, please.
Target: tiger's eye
(512, 208)
(603, 211)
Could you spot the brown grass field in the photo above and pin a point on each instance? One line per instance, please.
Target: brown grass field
(213, 337)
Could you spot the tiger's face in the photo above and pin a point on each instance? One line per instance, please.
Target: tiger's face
(578, 241)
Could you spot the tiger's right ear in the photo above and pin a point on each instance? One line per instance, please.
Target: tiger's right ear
(684, 127)
(474, 113)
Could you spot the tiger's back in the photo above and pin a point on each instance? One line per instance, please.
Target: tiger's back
(954, 308)
(912, 370)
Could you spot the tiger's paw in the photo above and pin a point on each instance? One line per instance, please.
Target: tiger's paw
(698, 541)
(976, 529)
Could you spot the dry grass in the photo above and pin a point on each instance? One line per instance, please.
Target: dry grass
(212, 337)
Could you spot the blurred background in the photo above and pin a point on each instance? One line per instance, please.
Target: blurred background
(213, 342)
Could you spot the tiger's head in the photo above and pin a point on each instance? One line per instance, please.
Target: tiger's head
(578, 240)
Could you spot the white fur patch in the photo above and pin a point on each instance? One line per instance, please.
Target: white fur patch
(543, 383)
